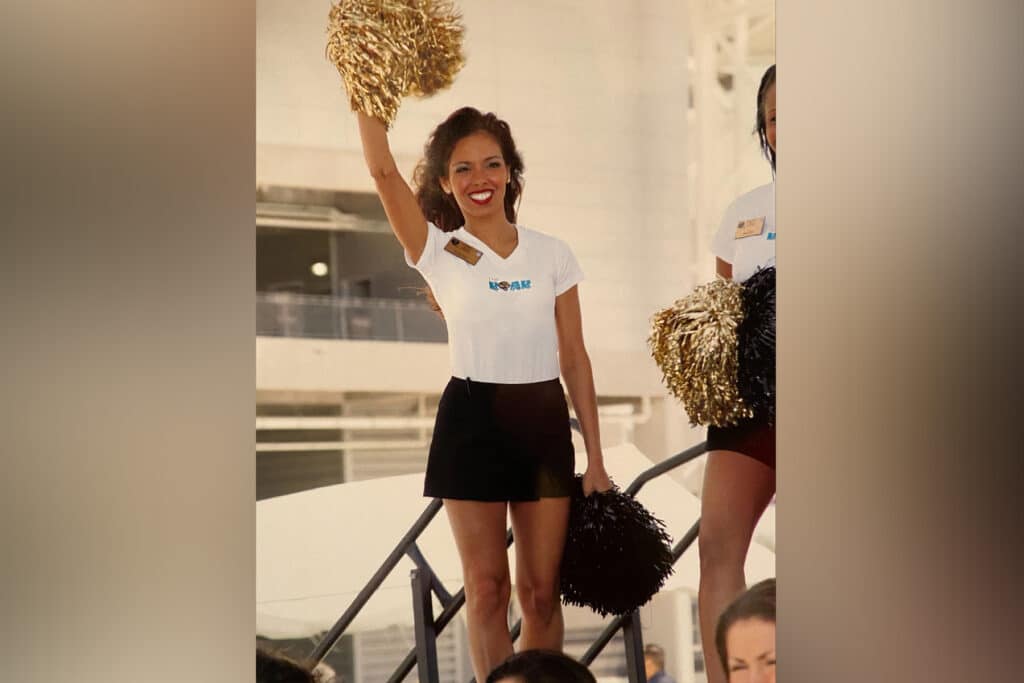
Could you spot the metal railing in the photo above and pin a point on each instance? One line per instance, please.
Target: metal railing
(284, 314)
(425, 584)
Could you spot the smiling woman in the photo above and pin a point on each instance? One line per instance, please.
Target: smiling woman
(470, 152)
(501, 443)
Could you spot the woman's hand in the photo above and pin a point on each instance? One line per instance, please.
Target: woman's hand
(595, 479)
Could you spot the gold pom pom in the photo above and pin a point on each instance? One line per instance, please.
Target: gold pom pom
(694, 344)
(388, 49)
(439, 47)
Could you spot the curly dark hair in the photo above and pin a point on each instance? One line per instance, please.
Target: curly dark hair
(761, 126)
(275, 667)
(440, 208)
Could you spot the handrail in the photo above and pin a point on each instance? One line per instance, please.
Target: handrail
(342, 301)
(453, 604)
(319, 316)
(442, 620)
(447, 614)
(333, 635)
(416, 555)
(666, 465)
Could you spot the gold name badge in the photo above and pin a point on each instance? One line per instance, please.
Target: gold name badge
(465, 252)
(750, 227)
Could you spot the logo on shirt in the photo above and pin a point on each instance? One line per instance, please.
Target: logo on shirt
(508, 286)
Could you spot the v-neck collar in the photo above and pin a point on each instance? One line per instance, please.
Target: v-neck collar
(483, 245)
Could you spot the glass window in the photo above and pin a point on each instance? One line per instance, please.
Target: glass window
(287, 261)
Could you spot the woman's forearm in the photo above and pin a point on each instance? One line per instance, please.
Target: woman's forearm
(376, 149)
(579, 381)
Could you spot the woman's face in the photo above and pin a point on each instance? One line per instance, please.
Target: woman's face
(769, 116)
(477, 175)
(751, 647)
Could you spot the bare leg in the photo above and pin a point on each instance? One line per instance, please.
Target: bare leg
(540, 529)
(737, 489)
(479, 530)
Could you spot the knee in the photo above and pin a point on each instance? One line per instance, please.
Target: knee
(488, 594)
(537, 599)
(720, 549)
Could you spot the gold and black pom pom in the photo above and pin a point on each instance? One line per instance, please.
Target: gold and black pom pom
(694, 343)
(756, 341)
(389, 49)
(617, 554)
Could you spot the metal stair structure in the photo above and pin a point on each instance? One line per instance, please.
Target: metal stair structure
(425, 585)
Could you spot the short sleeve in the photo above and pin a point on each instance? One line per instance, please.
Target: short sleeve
(435, 240)
(724, 244)
(567, 269)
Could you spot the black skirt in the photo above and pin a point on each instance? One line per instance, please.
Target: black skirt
(754, 438)
(501, 442)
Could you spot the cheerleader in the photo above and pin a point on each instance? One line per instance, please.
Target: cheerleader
(501, 443)
(739, 479)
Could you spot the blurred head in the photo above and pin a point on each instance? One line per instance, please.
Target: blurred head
(470, 168)
(273, 667)
(654, 659)
(541, 666)
(766, 115)
(745, 636)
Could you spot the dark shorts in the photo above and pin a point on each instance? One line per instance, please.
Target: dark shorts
(501, 442)
(754, 438)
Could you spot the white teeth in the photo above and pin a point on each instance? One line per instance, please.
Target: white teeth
(481, 196)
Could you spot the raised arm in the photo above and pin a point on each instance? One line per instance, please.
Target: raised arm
(400, 205)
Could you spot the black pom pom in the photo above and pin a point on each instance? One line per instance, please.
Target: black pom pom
(617, 554)
(756, 342)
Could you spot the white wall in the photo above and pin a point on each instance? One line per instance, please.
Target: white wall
(595, 92)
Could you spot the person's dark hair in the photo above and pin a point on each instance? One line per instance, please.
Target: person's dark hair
(757, 602)
(761, 127)
(542, 666)
(440, 208)
(656, 654)
(274, 667)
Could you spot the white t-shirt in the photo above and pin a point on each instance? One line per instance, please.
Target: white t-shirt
(747, 254)
(500, 312)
